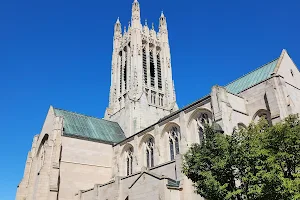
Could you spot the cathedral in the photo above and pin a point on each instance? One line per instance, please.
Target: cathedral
(135, 152)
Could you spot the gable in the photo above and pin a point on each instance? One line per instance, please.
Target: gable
(288, 70)
(47, 127)
(78, 125)
(145, 178)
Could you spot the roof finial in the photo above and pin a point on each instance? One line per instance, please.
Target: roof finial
(118, 21)
(146, 23)
(162, 14)
(152, 26)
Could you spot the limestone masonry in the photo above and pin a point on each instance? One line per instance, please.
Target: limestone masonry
(135, 152)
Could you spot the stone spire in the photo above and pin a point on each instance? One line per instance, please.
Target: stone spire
(162, 22)
(136, 15)
(118, 29)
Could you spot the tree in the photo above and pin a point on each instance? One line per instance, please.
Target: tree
(259, 162)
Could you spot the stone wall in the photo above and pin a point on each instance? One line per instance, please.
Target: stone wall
(83, 164)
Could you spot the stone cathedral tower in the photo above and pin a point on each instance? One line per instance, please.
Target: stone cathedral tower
(142, 89)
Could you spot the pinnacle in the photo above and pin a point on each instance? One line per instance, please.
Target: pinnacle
(118, 21)
(162, 14)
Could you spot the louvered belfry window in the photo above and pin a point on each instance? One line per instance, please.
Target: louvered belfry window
(121, 66)
(145, 66)
(159, 72)
(152, 70)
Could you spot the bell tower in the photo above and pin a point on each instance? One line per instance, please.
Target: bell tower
(142, 89)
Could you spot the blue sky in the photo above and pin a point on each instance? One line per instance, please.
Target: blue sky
(59, 53)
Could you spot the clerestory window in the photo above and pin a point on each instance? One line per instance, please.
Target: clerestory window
(129, 161)
(150, 152)
(201, 121)
(174, 142)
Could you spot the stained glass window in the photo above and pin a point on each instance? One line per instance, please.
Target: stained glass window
(129, 160)
(200, 122)
(172, 149)
(150, 152)
(174, 142)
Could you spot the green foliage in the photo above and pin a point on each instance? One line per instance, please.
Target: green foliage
(258, 162)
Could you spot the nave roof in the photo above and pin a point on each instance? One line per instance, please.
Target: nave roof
(252, 78)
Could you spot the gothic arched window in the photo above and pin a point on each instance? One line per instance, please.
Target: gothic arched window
(201, 121)
(129, 161)
(263, 114)
(150, 152)
(174, 142)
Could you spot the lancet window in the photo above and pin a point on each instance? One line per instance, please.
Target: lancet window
(150, 152)
(153, 97)
(147, 94)
(201, 121)
(174, 135)
(161, 99)
(129, 161)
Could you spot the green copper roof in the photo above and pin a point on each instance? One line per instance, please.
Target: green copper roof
(83, 126)
(173, 183)
(252, 78)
